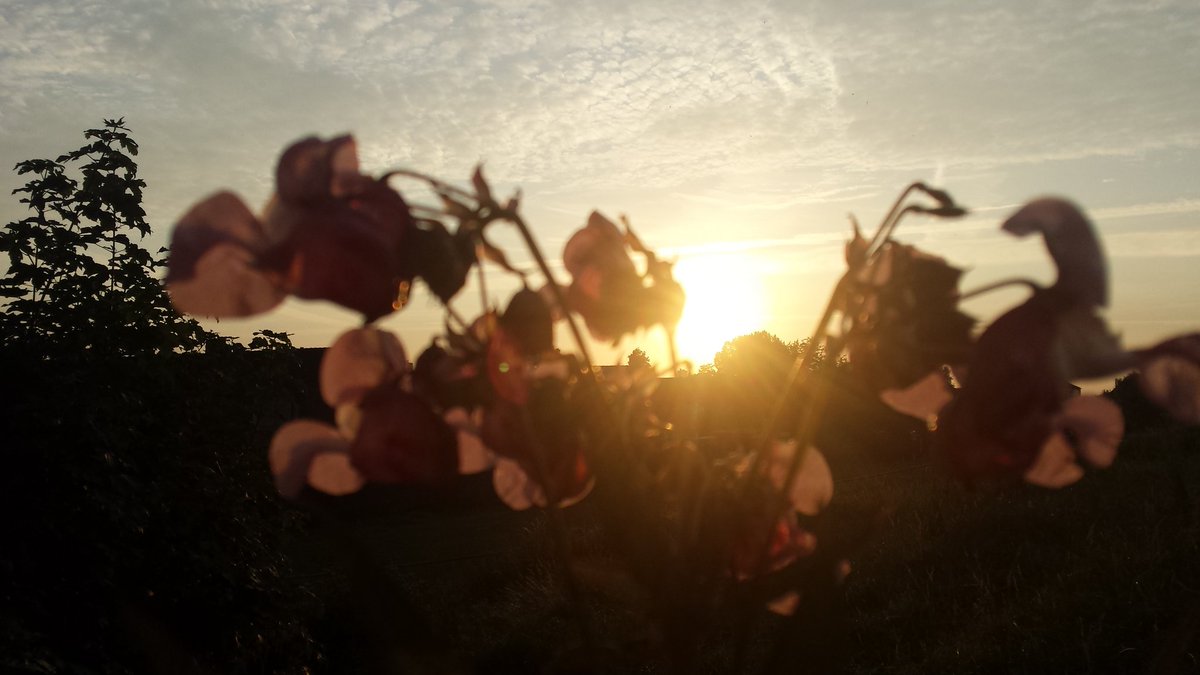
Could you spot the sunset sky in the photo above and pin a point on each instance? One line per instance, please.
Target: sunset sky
(737, 137)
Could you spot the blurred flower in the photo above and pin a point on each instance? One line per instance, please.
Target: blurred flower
(767, 541)
(606, 289)
(514, 402)
(901, 324)
(1014, 415)
(384, 433)
(1171, 376)
(328, 233)
(535, 424)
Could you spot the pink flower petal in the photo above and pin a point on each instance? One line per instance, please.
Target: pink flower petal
(358, 361)
(221, 218)
(1055, 465)
(1170, 376)
(1082, 273)
(923, 400)
(333, 474)
(473, 455)
(786, 604)
(307, 168)
(519, 491)
(293, 451)
(812, 486)
(225, 283)
(1097, 425)
(514, 487)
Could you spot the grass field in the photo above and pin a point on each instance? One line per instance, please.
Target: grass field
(1100, 577)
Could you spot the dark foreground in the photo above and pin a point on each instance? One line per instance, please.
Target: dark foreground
(142, 534)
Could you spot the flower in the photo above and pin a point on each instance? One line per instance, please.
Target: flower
(606, 289)
(328, 233)
(769, 542)
(514, 402)
(1171, 376)
(1014, 415)
(384, 432)
(901, 324)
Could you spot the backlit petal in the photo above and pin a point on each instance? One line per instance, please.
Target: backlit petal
(358, 361)
(514, 487)
(333, 474)
(293, 450)
(923, 400)
(812, 486)
(1097, 425)
(1171, 377)
(221, 218)
(1055, 465)
(226, 283)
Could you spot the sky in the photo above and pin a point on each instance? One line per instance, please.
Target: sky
(736, 136)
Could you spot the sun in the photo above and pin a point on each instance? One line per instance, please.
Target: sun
(724, 300)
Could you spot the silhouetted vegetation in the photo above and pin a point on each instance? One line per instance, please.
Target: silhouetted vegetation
(143, 530)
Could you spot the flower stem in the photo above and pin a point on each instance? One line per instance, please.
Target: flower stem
(1004, 283)
(516, 219)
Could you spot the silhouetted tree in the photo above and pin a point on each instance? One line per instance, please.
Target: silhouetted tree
(759, 355)
(638, 359)
(77, 279)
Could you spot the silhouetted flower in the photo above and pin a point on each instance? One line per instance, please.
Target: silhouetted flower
(606, 289)
(902, 324)
(329, 233)
(1013, 415)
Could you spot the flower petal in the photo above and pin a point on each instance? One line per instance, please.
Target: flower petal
(333, 474)
(1055, 465)
(222, 218)
(1171, 377)
(514, 487)
(473, 455)
(358, 361)
(923, 400)
(1097, 426)
(293, 451)
(785, 605)
(1082, 272)
(402, 440)
(307, 168)
(812, 486)
(226, 283)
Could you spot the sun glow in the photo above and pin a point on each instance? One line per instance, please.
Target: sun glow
(724, 300)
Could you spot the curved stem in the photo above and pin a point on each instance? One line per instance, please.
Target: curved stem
(1004, 283)
(483, 299)
(889, 221)
(434, 182)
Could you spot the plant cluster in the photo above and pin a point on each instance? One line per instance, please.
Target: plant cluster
(704, 525)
